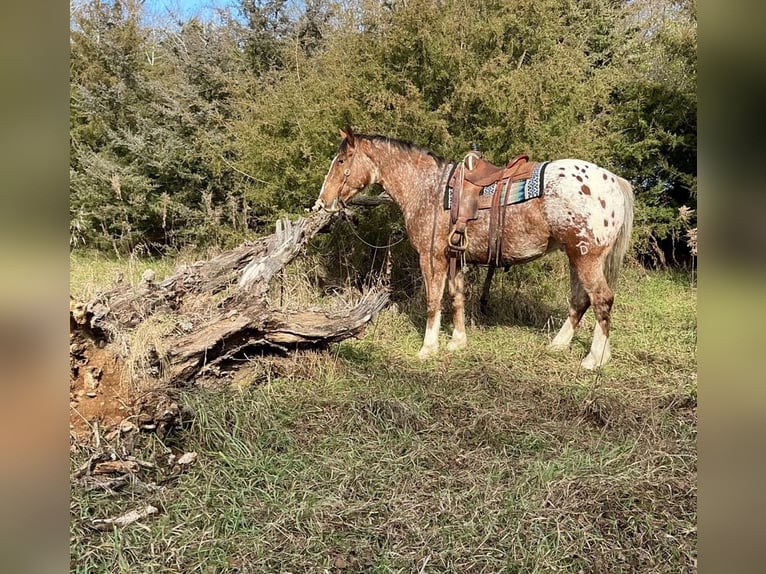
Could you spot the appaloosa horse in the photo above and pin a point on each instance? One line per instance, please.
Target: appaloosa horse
(582, 208)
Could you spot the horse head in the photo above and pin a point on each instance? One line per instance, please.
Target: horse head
(351, 170)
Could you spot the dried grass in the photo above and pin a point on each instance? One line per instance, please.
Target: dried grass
(502, 458)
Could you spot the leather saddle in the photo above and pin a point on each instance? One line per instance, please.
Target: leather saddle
(485, 173)
(468, 182)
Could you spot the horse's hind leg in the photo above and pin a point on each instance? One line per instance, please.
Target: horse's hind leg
(484, 301)
(457, 290)
(578, 304)
(591, 273)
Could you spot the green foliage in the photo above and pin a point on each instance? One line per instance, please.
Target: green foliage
(215, 128)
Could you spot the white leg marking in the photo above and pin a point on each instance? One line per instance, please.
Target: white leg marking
(599, 350)
(431, 339)
(564, 337)
(458, 341)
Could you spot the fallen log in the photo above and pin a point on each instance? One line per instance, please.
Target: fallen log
(215, 313)
(241, 322)
(253, 330)
(249, 266)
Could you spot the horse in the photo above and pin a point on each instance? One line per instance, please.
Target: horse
(582, 209)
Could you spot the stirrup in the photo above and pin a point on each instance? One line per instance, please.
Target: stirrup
(457, 240)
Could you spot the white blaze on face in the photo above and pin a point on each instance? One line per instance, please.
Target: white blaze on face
(332, 164)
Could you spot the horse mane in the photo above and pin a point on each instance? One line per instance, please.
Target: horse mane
(401, 145)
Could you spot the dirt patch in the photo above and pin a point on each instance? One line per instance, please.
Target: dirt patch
(100, 393)
(104, 402)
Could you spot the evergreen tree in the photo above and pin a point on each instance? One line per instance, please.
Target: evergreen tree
(198, 131)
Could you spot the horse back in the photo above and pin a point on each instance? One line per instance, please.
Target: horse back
(583, 203)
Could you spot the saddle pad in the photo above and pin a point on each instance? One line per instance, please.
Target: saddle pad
(516, 192)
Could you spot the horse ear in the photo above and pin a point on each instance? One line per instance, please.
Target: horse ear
(348, 134)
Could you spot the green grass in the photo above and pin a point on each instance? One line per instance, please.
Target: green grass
(93, 272)
(501, 458)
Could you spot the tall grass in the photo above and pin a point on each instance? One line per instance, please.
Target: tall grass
(500, 458)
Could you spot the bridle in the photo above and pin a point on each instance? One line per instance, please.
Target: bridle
(346, 174)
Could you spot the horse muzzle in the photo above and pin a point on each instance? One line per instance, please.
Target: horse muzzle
(332, 208)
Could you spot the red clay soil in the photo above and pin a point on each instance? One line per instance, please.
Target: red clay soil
(98, 390)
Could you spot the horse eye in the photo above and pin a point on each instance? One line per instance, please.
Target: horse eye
(340, 161)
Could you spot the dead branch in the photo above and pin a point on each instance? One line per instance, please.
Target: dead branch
(220, 307)
(256, 329)
(370, 200)
(125, 519)
(126, 306)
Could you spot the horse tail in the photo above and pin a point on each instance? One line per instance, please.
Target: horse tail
(613, 261)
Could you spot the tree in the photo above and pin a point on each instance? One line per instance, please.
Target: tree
(194, 134)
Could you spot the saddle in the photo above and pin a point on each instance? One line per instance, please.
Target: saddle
(485, 173)
(468, 182)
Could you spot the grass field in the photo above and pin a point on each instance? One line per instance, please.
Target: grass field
(500, 458)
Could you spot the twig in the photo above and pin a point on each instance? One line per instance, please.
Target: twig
(521, 60)
(239, 171)
(97, 434)
(109, 485)
(125, 519)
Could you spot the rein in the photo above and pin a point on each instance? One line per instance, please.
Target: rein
(353, 230)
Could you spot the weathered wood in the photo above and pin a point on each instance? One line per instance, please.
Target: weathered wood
(220, 307)
(126, 306)
(255, 329)
(125, 519)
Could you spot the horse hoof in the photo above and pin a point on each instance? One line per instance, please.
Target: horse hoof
(558, 347)
(590, 362)
(457, 344)
(426, 352)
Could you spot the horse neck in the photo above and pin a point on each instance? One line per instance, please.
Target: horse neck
(412, 178)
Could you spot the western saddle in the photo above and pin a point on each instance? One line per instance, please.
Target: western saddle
(467, 183)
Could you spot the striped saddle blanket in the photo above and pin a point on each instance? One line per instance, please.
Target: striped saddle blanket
(510, 191)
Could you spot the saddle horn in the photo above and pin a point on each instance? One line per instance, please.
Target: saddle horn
(472, 155)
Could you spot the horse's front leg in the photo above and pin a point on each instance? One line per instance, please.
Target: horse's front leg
(434, 280)
(457, 290)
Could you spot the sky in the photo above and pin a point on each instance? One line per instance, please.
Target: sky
(185, 8)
